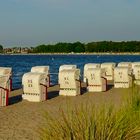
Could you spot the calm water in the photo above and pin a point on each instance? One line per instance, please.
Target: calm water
(22, 64)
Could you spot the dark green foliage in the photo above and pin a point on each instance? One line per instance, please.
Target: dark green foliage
(1, 48)
(60, 48)
(132, 46)
(77, 47)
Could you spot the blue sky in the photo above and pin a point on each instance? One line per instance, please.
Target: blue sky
(34, 22)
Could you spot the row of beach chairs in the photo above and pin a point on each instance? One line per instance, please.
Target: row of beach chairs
(96, 76)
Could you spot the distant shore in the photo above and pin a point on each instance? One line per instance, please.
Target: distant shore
(95, 53)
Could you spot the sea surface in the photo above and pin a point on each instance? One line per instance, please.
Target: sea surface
(23, 63)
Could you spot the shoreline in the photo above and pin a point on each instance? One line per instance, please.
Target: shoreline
(100, 53)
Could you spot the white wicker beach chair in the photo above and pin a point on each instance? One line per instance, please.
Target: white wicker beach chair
(122, 77)
(68, 67)
(34, 87)
(42, 69)
(69, 82)
(87, 66)
(7, 72)
(109, 70)
(96, 80)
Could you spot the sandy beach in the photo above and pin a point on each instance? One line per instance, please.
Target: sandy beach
(22, 119)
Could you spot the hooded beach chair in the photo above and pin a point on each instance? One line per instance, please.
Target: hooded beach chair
(7, 72)
(122, 77)
(34, 87)
(109, 70)
(42, 69)
(67, 67)
(87, 66)
(69, 82)
(96, 81)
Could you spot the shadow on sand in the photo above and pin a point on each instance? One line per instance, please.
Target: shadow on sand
(109, 87)
(53, 94)
(83, 90)
(15, 99)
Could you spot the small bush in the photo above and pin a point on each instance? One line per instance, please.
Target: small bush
(89, 123)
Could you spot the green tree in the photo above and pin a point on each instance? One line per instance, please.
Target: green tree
(1, 48)
(78, 47)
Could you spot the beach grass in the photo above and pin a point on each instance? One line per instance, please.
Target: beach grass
(88, 122)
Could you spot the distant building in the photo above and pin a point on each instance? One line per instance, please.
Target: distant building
(24, 50)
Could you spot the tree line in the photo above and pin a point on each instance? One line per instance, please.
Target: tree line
(77, 47)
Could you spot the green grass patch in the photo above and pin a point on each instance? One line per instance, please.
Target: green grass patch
(87, 122)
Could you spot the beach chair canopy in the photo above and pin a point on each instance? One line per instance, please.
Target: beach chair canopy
(125, 64)
(122, 77)
(135, 64)
(94, 75)
(96, 80)
(5, 71)
(67, 67)
(122, 74)
(31, 82)
(40, 69)
(109, 70)
(68, 78)
(91, 65)
(88, 66)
